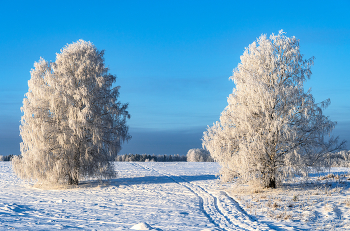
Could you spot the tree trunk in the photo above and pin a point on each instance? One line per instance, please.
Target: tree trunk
(73, 180)
(270, 178)
(272, 183)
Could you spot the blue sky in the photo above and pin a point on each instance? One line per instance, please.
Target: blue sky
(172, 58)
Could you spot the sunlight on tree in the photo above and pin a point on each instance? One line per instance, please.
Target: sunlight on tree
(73, 124)
(271, 127)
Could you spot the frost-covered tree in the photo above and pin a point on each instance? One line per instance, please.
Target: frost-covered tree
(198, 155)
(271, 127)
(73, 124)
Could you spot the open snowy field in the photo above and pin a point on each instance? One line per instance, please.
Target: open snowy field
(174, 196)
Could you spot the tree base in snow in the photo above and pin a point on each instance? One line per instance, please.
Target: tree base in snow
(73, 181)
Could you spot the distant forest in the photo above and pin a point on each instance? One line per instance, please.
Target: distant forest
(150, 158)
(6, 158)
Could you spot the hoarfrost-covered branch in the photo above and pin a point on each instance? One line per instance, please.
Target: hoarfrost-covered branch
(270, 127)
(73, 124)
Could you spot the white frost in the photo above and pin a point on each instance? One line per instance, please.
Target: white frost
(271, 128)
(72, 124)
(142, 226)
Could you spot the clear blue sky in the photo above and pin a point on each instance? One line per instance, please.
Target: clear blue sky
(172, 58)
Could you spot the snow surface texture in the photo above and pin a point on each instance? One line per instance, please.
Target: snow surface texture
(157, 196)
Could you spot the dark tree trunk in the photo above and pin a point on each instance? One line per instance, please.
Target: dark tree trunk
(270, 178)
(272, 183)
(73, 180)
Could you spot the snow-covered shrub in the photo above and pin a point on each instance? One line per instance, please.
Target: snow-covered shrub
(271, 127)
(344, 160)
(337, 159)
(198, 155)
(73, 124)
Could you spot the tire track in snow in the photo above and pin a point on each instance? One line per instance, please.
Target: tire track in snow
(224, 217)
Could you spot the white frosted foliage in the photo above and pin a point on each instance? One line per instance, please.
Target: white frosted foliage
(271, 127)
(198, 155)
(72, 123)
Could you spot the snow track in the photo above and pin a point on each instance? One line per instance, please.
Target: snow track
(220, 209)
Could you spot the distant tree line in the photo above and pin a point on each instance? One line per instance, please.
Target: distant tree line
(6, 158)
(193, 155)
(150, 158)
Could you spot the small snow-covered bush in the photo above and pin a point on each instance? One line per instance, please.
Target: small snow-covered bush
(198, 155)
(338, 159)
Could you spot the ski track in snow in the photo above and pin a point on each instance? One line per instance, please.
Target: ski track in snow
(221, 210)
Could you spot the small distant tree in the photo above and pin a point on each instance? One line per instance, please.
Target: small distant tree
(271, 127)
(198, 155)
(72, 124)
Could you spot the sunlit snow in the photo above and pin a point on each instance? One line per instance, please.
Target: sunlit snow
(168, 196)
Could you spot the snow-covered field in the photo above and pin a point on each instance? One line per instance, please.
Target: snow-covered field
(174, 196)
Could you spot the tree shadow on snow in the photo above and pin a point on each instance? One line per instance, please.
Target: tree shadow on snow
(325, 173)
(159, 179)
(14, 210)
(343, 184)
(139, 180)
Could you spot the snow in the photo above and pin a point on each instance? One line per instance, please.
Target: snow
(142, 226)
(174, 196)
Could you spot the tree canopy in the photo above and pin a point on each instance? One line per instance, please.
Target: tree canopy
(271, 126)
(73, 124)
